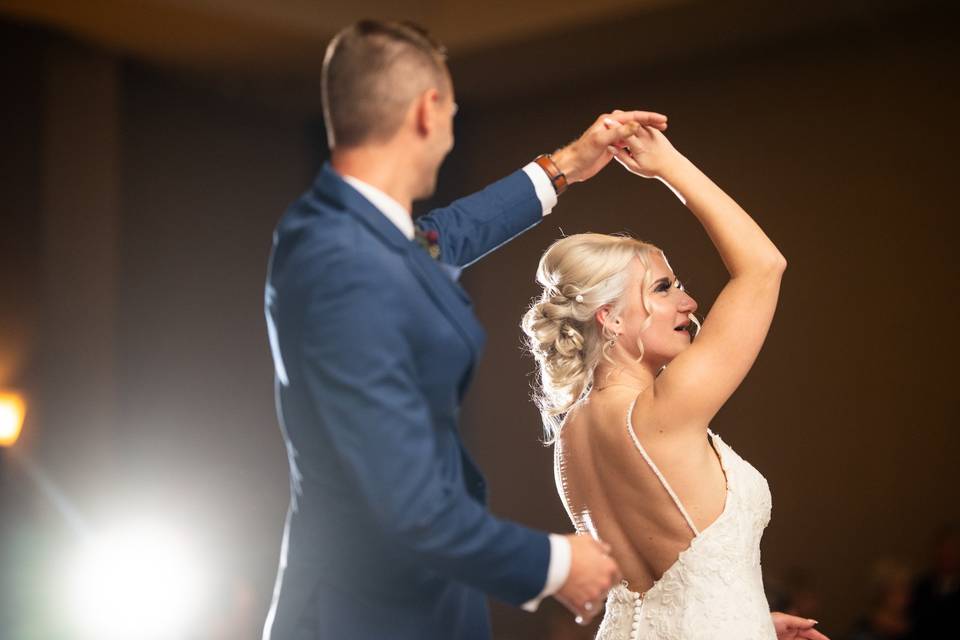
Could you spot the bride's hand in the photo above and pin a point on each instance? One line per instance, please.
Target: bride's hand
(646, 153)
(795, 628)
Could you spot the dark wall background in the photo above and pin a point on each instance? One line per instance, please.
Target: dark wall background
(137, 208)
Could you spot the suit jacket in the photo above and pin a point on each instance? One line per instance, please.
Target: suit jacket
(374, 344)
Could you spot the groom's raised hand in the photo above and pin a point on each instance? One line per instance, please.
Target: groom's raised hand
(584, 157)
(592, 574)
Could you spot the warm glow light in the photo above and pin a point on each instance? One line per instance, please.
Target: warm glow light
(12, 410)
(139, 582)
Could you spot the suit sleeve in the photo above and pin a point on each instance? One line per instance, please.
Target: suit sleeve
(475, 225)
(360, 375)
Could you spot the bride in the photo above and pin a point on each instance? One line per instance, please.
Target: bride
(629, 382)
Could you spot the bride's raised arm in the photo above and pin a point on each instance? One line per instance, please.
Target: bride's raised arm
(698, 381)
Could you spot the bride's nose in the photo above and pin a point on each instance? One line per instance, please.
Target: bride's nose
(687, 304)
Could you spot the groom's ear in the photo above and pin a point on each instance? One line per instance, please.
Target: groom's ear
(425, 107)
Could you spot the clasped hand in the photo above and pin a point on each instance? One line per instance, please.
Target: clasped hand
(592, 574)
(609, 137)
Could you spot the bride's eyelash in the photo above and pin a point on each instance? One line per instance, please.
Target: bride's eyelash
(677, 282)
(664, 284)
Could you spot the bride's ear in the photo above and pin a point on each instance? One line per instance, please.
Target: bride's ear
(605, 319)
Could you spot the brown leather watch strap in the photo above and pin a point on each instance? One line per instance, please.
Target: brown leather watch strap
(557, 179)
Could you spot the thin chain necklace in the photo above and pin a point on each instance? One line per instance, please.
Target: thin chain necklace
(621, 384)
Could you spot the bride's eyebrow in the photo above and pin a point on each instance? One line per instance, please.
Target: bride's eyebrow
(658, 281)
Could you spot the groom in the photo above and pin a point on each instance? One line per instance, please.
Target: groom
(374, 344)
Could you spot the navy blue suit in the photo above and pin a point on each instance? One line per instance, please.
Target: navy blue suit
(374, 344)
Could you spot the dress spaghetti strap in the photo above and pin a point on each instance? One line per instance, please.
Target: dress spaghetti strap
(656, 470)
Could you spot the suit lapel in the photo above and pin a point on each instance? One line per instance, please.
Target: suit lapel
(449, 296)
(330, 186)
(446, 294)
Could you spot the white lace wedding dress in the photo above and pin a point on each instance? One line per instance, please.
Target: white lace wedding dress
(714, 590)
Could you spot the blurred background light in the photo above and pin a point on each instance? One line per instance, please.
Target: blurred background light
(136, 581)
(12, 411)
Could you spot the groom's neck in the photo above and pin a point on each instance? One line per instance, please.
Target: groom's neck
(385, 167)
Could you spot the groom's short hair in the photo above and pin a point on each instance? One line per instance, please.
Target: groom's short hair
(371, 72)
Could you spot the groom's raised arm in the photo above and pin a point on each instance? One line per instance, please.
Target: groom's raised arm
(473, 226)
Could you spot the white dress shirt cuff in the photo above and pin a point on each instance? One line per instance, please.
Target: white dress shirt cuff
(541, 184)
(559, 568)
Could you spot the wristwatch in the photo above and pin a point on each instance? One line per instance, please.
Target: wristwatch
(557, 179)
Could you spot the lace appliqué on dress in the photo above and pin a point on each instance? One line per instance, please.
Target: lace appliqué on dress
(715, 589)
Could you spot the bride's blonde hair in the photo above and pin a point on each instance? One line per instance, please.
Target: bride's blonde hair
(579, 274)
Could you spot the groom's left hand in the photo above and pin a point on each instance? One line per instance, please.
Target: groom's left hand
(795, 628)
(587, 155)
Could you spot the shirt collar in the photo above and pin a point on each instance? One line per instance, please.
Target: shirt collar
(390, 208)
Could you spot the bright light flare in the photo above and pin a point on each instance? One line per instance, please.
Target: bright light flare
(12, 411)
(137, 582)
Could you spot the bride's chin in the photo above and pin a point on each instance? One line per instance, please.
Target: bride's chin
(669, 358)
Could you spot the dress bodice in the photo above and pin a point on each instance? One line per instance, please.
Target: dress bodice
(714, 590)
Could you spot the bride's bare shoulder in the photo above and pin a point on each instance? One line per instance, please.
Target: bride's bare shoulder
(600, 417)
(578, 423)
(571, 422)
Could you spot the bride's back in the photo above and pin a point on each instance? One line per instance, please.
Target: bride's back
(610, 490)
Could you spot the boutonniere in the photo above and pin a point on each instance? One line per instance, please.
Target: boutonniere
(430, 241)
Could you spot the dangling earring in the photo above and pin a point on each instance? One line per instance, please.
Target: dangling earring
(611, 343)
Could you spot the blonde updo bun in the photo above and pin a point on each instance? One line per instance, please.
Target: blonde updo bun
(579, 274)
